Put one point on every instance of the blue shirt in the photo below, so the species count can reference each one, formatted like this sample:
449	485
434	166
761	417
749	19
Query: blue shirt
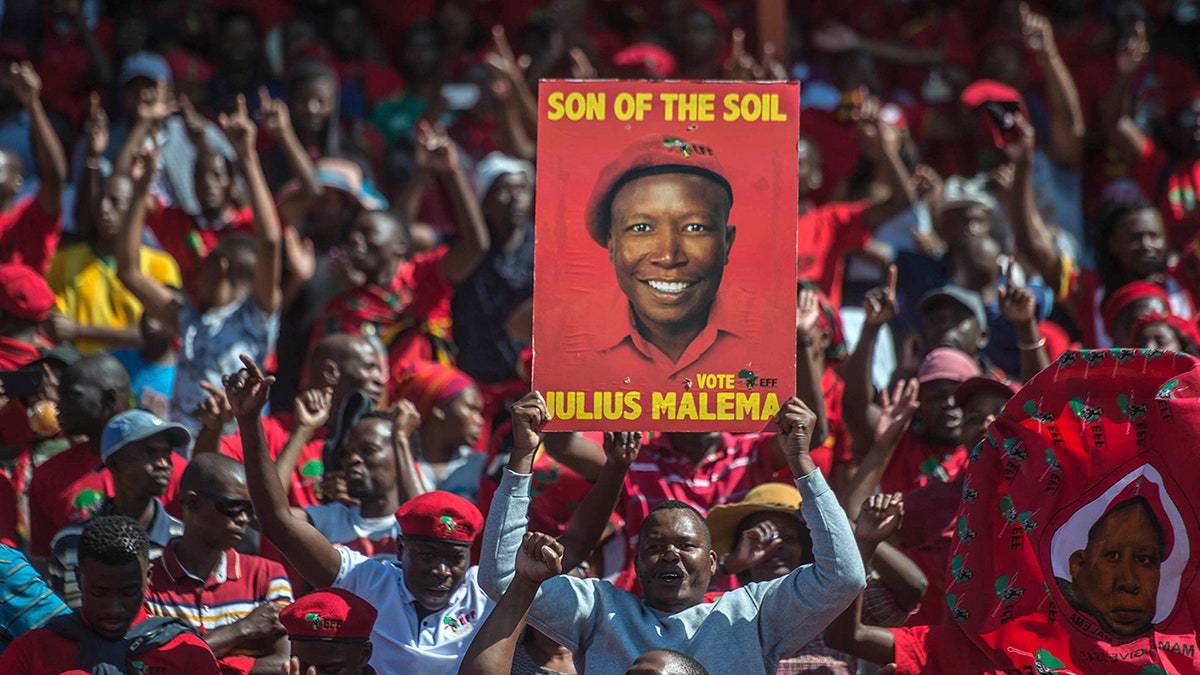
26	602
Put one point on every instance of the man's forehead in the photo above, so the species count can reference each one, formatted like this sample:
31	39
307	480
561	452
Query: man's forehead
676	520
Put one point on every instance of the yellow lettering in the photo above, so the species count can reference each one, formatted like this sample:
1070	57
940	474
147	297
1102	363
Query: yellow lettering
581	411
555	101
747	405
662	405
612	405
687	407
770	407
633	405
725	406
731	109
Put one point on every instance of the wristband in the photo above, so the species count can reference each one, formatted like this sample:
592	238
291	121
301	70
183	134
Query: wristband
1029	348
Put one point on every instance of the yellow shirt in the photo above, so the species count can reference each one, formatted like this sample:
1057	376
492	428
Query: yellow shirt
88	291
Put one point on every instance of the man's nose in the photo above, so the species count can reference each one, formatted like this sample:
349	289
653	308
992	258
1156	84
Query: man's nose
1125	576
668	250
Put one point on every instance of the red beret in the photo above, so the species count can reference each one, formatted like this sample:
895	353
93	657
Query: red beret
26	294
331	614
1127	295
648	156
440	515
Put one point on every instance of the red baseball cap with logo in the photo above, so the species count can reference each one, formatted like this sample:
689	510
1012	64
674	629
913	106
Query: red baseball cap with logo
441	516
331	615
648	156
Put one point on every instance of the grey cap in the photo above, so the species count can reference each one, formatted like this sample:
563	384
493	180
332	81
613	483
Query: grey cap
960	295
132	426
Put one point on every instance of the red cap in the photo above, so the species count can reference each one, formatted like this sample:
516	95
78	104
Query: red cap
645	59
980	92
430	385
1127	295
11	51
975	385
331	614
186	67
26	294
442	516
648	156
947	363
710	9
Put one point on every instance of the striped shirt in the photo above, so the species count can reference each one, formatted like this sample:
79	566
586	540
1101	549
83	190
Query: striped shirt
64	549
237	585
26	602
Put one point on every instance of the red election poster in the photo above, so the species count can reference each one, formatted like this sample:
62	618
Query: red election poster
665	264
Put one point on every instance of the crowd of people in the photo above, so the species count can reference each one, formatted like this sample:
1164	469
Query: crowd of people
266	279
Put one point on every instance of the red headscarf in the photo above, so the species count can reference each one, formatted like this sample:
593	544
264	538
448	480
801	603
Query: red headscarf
430	385
1127	295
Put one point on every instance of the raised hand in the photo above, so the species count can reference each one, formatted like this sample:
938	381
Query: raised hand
753	547
741	65
875	134
880	517
529	416
622	447
405	416
95	127
240	129
158	106
214	411
26	83
896	410
539	558
1038	33
292	667
193	121
808	313
312	408
880	302
435	151
300	254
248	389
504	60
143	166
1132	53
796	422
581	65
273	115
1020	149
1017	303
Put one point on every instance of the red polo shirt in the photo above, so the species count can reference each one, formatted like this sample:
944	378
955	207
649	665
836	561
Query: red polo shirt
305	489
44	652
660	473
827	234
64	486
239	584
939	649
189	239
718	348
27	236
916	463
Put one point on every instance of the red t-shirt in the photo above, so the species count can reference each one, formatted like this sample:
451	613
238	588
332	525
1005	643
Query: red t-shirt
305	488
189	240
1171	183
939	649
28	236
8	514
423	279
827	234
44	652
926	537
916	463
66	485
839	147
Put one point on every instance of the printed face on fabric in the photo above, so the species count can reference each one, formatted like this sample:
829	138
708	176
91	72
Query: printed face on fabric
1072	551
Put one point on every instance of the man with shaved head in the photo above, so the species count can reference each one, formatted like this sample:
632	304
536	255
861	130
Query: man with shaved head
233	599
92	391
339	364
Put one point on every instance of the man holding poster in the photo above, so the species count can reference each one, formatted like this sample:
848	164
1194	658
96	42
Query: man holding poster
681	341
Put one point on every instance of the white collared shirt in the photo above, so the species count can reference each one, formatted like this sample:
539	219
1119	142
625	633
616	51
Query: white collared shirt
402	643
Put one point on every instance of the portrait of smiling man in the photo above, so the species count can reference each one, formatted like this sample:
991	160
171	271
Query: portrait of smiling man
662	210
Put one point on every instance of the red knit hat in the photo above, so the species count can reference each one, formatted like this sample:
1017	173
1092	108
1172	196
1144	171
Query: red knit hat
430	385
329	614
442	516
1126	295
648	156
26	294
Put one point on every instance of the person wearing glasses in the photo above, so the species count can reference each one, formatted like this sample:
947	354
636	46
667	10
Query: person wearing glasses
232	599
136	447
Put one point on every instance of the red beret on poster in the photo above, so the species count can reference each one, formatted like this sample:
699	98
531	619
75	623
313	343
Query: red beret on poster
666	223
1074	550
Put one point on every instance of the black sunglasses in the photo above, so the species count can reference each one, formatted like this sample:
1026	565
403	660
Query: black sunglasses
228	506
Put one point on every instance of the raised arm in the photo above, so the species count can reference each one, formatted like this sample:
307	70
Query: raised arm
1018	305
267	271
437	153
51	159
1065	144
491	653
312	412
896	411
879	518
808	364
858	398
275	118
880	142
304	547
587	524
160	302
407	420
95	133
1033	238
213	413
1116	110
